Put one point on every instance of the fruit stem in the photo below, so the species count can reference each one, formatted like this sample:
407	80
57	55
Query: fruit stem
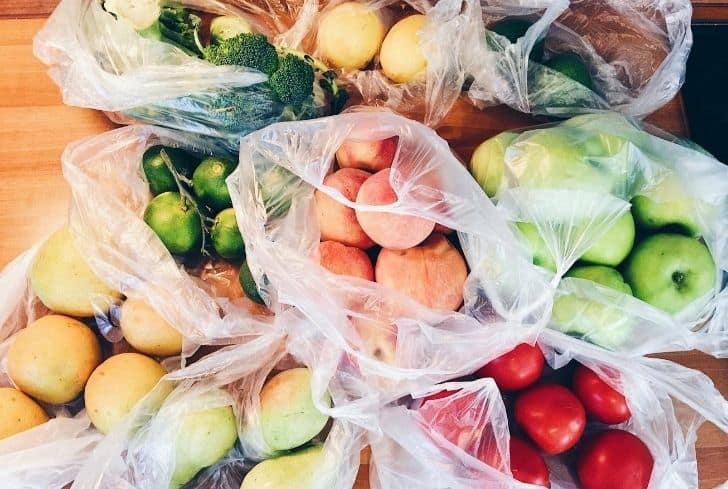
678	278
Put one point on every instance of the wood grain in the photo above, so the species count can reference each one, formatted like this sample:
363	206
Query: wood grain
35	127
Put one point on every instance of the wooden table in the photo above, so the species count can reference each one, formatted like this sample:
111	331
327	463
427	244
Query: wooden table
35	127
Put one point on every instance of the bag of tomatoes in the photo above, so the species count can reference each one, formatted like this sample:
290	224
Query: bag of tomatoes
559	414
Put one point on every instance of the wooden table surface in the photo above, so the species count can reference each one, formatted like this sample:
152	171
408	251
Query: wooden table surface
35	127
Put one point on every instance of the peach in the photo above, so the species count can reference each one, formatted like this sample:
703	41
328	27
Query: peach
393	231
372	156
432	273
378	339
338	222
345	260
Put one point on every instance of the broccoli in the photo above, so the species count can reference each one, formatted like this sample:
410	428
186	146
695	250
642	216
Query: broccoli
292	82
246	49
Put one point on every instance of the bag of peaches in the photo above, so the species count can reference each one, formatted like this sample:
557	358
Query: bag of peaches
364	222
560	414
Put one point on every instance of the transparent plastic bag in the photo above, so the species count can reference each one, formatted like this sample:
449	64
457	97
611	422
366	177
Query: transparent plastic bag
104	63
49	454
575	182
142	451
389	336
109	194
634	53
462	440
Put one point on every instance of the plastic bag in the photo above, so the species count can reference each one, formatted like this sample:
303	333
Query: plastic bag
50	454
109	194
575	183
447	27
142	452
104	63
392	338
599	55
445	442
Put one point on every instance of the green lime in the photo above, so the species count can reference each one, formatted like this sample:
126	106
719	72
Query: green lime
208	181
513	29
248	284
175	220
157	172
226	237
572	66
276	186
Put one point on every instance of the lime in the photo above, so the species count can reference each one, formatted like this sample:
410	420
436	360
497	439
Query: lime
572	66
175	220
513	29
248	284
276	186
157	172
208	181
226	237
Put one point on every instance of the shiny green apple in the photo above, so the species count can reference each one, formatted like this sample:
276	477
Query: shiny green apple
488	162
535	243
665	205
614	245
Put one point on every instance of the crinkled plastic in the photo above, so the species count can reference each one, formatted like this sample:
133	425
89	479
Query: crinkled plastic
102	63
50	454
635	53
572	181
109	195
419	447
140	452
391	339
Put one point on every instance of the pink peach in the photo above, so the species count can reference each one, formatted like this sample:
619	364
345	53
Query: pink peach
432	273
377	339
371	156
338	222
345	260
393	231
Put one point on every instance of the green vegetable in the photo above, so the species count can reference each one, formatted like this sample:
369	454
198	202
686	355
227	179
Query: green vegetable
179	27
250	50
292	82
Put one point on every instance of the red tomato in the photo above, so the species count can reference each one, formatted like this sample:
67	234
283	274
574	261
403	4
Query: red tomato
552	416
517	369
614	459
600	401
527	465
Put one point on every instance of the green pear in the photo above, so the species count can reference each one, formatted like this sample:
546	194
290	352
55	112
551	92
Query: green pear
614	245
488	161
204	437
597	322
288	416
669	271
540	252
294	471
666	205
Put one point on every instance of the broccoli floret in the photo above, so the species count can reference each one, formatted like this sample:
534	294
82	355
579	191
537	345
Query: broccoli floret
247	49
292	83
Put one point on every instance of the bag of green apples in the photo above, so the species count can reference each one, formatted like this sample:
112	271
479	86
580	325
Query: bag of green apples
363	221
565	57
629	223
400	55
580	418
151	214
218	68
246	416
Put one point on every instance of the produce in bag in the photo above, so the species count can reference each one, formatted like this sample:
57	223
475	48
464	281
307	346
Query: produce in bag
631	224
320	234
405	56
592	420
221	69
248	415
151	213
62	385
564	57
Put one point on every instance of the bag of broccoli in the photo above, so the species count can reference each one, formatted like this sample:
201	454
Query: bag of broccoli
218	68
569	57
628	223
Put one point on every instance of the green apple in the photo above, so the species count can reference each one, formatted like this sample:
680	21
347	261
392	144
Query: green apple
598	322
669	271
665	205
540	252
614	245
288	415
203	439
488	161
294	471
